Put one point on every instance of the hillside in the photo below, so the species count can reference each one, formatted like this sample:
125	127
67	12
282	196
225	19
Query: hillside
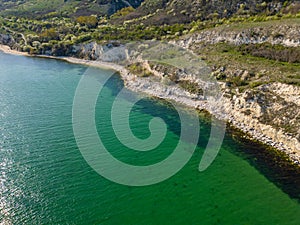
149	12
160	12
66	8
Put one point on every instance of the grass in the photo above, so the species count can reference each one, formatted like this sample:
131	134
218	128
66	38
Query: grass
191	87
261	70
248	23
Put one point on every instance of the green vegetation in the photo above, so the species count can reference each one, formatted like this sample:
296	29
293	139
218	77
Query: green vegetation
191	87
160	12
89	21
54	27
48	35
139	70
275	52
40	26
59	31
123	12
240	67
43	9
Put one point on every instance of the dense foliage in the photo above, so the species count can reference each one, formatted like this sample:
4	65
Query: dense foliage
67	8
159	12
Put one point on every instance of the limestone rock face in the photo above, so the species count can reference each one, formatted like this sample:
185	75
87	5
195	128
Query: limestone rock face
287	35
90	51
7	39
271	114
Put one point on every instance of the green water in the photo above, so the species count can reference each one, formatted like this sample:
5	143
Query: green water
45	180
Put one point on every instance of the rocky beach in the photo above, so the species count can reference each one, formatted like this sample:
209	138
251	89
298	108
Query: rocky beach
231	110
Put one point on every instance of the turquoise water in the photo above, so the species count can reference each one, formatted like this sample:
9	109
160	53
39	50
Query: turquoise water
45	180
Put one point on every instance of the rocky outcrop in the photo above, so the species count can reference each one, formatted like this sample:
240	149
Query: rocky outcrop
269	114
244	110
287	35
265	114
6	39
94	51
289	93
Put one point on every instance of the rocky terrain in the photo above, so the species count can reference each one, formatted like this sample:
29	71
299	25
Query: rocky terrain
7	39
269	112
275	33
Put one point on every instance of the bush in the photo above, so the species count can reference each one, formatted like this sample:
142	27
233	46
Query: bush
237	81
255	84
89	21
49	34
123	12
83	38
138	70
26	48
274	52
191	87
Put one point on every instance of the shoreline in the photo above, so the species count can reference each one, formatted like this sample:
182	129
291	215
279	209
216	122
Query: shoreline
170	93
8	50
100	64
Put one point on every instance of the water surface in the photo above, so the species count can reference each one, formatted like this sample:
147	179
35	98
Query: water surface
45	180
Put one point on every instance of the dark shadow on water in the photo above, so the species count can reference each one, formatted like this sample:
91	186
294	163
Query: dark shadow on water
270	162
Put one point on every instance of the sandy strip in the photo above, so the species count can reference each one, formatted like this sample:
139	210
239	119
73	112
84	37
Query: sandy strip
100	64
7	49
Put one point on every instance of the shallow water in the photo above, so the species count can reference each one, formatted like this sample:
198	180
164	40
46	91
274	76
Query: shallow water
45	180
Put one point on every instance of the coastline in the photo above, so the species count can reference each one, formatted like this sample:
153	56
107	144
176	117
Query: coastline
100	64
133	83
7	49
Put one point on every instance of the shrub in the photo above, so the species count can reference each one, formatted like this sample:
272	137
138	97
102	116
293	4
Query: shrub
255	84
89	21
237	81
49	34
274	52
138	70
191	87
83	38
122	12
